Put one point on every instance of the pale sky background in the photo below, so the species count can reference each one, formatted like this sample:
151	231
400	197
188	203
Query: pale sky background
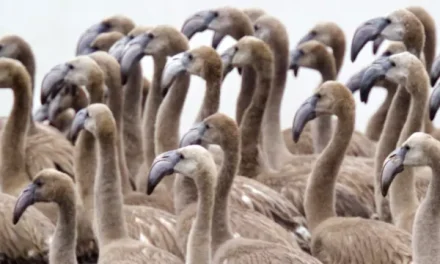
52	27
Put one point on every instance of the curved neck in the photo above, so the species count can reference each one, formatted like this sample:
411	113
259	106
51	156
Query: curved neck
248	80
403	198
221	230
319	201
168	119
110	223
377	121
388	140
132	129
154	100
322	126
63	245
338	54
13	156
115	104
425	241
211	101
251	126
199	240
272	140
85	168
27	58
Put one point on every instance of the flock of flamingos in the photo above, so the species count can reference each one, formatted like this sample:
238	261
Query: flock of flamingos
100	174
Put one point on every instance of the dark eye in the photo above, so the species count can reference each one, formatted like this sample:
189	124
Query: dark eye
256	27
313	32
207	126
406	147
130	37
181	156
301	52
386	54
151	35
318	96
393	64
70	66
215	13
190	57
38	182
106	25
1	47
235	48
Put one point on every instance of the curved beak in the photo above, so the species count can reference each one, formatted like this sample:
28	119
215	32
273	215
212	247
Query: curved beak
377	42
198	22
83	46
217	39
42	113
434	102
132	54
392	166
175	66
305	113
375	72
306	38
227	58
162	166
354	83
54	108
117	48
435	71
193	136
294	59
53	81
370	30
77	124
24	200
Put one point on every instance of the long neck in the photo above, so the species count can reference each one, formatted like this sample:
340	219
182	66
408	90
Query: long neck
109	219
132	128
272	139
322	126
403	198
250	127
377	121
13	138
63	246
248	80
168	119
425	240
319	201
154	100
388	140
221	230
199	241
115	104
211	101
338	54
28	59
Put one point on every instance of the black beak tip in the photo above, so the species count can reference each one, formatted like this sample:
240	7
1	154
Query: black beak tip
432	113
124	79
295	136
433	81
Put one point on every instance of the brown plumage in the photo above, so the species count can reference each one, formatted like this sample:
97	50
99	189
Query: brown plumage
49	185
420	149
46	147
332	237
141	220
30	239
115	246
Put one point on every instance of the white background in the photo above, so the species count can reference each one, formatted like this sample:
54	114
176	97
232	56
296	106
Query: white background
52	27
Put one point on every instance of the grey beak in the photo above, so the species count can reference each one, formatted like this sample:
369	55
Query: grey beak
162	166
295	55
89	36
198	22
53	82
42	113
117	48
26	199
227	58
309	36
77	124
376	71
354	83
193	136
392	166
305	113
217	39
435	71
377	42
434	102
175	66
370	30
132	54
